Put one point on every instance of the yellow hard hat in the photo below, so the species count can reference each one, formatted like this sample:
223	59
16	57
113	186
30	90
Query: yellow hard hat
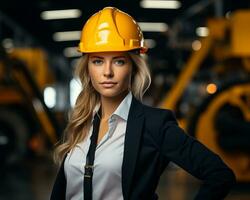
111	29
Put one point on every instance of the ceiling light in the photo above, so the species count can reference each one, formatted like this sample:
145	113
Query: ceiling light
153	26
61	14
160	4
8	44
196	45
211	88
67	36
150	43
50	96
202	31
71	52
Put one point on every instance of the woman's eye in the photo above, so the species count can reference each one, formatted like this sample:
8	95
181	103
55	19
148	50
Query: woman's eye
120	62
97	62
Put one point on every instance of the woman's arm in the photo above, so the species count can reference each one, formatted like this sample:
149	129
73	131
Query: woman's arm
195	158
59	187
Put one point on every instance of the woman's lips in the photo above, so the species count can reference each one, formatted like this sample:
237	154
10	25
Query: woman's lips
108	84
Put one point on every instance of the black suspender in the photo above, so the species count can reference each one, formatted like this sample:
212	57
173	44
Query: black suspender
89	166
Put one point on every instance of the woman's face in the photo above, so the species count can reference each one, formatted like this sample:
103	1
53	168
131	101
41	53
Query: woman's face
110	72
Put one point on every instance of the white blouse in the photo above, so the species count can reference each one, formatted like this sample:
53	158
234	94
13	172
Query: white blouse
107	180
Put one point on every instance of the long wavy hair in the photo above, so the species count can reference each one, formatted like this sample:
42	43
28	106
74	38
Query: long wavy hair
81	115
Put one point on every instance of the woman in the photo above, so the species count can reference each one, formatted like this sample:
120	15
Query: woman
115	147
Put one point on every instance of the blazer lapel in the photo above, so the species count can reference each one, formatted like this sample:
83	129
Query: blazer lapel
131	145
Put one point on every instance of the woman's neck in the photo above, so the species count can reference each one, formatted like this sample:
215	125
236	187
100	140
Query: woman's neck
109	104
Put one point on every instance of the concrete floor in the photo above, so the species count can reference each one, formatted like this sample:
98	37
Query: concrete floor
32	179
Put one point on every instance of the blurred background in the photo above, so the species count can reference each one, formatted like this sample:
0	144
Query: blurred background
199	56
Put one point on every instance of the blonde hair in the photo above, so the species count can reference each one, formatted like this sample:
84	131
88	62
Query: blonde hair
81	115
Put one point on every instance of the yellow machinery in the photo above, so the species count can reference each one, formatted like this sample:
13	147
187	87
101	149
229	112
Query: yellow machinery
24	117
222	120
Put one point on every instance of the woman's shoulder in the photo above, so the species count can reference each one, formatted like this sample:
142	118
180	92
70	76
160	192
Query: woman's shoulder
157	120
158	114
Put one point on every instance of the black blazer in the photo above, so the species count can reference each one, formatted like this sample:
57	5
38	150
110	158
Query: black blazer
152	140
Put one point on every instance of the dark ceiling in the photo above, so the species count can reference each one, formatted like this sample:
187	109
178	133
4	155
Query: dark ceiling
26	14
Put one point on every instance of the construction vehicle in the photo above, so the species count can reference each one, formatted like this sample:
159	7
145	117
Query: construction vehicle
219	111
26	123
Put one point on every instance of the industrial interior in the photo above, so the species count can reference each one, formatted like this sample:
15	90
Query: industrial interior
199	59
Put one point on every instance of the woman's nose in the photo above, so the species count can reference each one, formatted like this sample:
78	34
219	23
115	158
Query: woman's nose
107	71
